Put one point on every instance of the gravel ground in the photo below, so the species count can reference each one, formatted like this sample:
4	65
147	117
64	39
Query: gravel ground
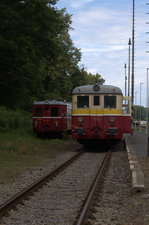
60	199
22	180
115	204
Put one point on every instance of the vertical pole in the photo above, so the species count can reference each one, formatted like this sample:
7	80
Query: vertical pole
132	79
132	88
147	102
125	80
129	43
140	106
135	108
147	124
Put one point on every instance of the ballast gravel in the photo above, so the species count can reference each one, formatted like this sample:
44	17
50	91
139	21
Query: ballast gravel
7	190
115	202
59	201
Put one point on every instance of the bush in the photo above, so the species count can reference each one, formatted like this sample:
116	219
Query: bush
12	120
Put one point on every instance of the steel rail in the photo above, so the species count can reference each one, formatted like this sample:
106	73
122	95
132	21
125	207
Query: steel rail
13	201
84	211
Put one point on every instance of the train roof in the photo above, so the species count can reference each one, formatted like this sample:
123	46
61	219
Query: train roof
97	89
51	102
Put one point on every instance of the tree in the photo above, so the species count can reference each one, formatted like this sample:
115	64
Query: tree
137	112
38	57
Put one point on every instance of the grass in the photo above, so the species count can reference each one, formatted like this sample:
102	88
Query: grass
138	129
22	151
19	148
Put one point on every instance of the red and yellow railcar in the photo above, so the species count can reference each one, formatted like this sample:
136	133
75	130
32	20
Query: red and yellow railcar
51	117
98	113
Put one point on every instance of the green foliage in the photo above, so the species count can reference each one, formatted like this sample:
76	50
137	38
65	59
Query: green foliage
38	57
15	120
82	77
137	110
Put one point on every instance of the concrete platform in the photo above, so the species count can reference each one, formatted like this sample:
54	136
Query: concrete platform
136	146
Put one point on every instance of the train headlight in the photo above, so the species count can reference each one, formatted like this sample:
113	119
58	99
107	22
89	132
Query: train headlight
36	123
112	119
80	119
56	123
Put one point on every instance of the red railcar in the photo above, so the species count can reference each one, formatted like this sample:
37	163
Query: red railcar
98	113
51	117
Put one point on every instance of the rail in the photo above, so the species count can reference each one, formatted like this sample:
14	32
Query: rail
83	214
10	203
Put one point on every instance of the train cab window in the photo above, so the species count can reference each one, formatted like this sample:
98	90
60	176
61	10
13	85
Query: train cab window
38	111
54	111
83	101
96	100
109	101
46	108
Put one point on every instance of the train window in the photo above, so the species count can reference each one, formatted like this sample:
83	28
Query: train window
96	100
126	107
63	112
109	101
54	112
38	111
83	101
46	108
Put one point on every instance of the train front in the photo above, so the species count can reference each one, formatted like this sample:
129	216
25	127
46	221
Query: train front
51	117
97	113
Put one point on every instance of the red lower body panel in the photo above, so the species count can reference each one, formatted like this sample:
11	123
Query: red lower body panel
49	125
100	127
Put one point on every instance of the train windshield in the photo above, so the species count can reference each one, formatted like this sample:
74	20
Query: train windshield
54	111
38	111
83	101
109	101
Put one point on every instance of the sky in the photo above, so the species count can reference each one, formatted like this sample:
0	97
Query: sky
102	29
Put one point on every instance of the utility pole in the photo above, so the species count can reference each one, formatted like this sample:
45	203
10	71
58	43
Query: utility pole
133	37
140	106
125	80
132	78
129	43
136	109
147	124
147	32
147	103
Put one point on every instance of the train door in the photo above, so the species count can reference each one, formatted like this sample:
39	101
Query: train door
95	116
63	117
54	117
46	111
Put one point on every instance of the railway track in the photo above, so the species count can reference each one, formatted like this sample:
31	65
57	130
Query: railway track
88	201
59	200
9	204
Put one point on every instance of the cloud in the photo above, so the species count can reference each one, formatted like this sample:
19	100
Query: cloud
103	49
78	4
102	30
100	26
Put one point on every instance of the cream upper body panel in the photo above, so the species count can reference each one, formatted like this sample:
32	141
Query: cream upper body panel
101	108
100	99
